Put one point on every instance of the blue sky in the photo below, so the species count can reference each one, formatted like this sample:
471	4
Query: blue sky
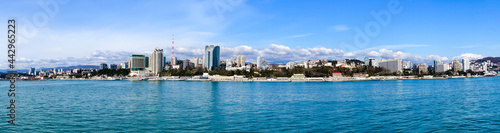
91	31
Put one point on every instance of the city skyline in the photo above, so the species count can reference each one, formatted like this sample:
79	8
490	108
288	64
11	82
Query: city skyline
421	32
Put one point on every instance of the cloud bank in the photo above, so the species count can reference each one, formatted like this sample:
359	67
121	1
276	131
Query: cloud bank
274	53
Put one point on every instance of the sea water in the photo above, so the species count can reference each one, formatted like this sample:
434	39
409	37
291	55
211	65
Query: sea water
450	105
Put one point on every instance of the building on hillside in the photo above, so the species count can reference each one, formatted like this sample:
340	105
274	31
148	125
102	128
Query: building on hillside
240	60
393	65
422	69
113	66
457	66
465	64
103	66
196	61
442	67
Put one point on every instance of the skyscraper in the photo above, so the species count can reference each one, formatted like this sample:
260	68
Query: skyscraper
407	65
113	66
185	64
229	62
211	57
157	61
240	60
457	66
32	71
465	64
436	63
137	62
195	61
173	60
124	65
442	67
103	66
422	68
147	62
259	63
368	61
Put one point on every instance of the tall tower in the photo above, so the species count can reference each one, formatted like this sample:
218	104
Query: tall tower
173	60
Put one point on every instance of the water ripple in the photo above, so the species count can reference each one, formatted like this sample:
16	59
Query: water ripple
455	105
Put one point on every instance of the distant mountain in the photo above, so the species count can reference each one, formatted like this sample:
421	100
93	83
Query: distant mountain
74	67
492	59
3	71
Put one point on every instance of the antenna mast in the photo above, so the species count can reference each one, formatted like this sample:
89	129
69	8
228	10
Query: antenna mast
172	45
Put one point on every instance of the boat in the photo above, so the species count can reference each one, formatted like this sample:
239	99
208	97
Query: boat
490	74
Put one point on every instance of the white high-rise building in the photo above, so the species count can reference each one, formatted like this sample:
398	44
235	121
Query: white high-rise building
465	64
196	61
124	65
442	67
157	61
261	63
229	62
173	61
485	66
290	65
407	65
240	60
186	63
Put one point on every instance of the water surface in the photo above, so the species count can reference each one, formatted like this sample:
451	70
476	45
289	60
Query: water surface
450	105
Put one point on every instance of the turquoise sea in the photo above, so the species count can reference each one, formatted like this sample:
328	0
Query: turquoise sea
446	105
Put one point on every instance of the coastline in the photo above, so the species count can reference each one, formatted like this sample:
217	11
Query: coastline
330	79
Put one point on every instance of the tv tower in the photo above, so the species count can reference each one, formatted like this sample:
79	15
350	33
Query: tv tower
172	45
173	59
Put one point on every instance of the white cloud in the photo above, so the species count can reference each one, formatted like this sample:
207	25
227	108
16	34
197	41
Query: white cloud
402	46
351	54
193	22
469	56
274	53
373	54
388	54
302	35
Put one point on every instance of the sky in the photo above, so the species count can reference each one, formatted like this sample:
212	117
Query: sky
57	33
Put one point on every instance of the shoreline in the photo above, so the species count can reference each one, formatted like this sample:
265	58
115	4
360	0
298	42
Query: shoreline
344	79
